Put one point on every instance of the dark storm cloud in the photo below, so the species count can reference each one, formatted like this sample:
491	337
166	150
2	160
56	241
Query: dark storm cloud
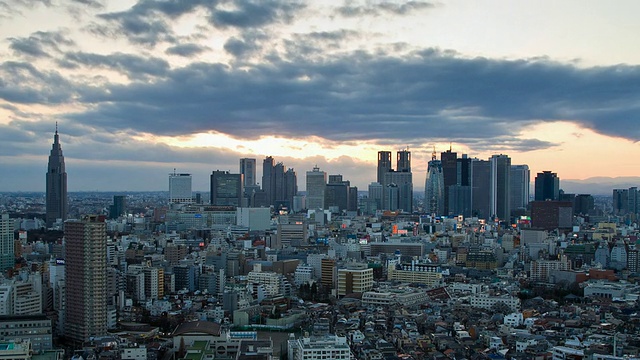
186	50
133	66
361	96
351	9
40	43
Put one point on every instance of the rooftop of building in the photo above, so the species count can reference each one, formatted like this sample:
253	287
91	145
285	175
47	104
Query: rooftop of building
192	327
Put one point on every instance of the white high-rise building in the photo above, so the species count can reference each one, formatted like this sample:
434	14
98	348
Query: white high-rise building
303	274
316	187
180	188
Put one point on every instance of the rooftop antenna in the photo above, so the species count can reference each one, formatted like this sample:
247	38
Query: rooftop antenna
433	154
450	147
56	127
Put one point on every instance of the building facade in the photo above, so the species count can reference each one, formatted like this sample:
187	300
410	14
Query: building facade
316	187
226	189
180	188
85	278
7	256
56	198
434	187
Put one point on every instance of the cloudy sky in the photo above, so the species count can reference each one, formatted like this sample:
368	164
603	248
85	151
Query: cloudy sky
139	88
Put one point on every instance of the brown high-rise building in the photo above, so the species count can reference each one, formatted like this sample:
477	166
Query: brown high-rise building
328	274
56	202
85	278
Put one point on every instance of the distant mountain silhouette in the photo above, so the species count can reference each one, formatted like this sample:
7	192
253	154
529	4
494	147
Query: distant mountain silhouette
598	185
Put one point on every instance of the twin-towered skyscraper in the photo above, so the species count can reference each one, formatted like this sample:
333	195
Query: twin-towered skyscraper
397	185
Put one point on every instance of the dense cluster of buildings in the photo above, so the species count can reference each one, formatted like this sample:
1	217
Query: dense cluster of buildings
475	270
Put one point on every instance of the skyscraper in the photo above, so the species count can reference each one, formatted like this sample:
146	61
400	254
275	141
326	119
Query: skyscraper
279	186
57	201
449	174
384	165
403	183
481	185
316	187
376	191
403	161
547	186
268	181
248	169
500	192
337	193
7	255
119	206
460	194
226	189
180	188
520	179
434	187
85	278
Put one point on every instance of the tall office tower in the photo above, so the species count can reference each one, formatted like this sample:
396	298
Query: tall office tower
460	200
403	181
620	201
376	191
463	171
481	185
353	199
547	186
280	186
278	183
119	206
500	192
460	193
7	255
520	179
316	187
180	188
337	193
248	169
584	204
384	165
268	181
57	206
290	187
226	189
335	179
434	187
449	161
403	161
85	278
633	201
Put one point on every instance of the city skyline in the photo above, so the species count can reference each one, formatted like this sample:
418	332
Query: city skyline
140	89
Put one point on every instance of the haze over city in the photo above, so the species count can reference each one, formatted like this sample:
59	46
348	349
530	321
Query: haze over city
141	88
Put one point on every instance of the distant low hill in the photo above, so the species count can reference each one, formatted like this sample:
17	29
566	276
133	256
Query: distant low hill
597	185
